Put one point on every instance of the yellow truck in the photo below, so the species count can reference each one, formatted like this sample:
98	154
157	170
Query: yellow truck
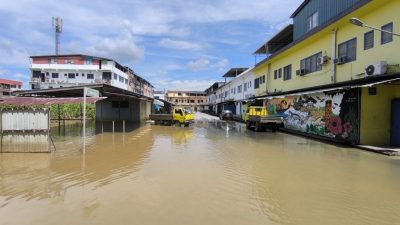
257	118
177	116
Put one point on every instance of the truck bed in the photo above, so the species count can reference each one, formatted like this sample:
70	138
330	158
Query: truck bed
267	119
161	117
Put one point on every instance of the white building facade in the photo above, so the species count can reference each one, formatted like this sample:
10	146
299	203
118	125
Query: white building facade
56	71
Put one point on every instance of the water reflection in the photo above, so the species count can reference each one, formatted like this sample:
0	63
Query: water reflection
213	172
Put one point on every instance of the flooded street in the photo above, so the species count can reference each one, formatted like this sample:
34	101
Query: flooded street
210	173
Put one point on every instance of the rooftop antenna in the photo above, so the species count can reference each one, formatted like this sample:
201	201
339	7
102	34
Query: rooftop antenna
57	25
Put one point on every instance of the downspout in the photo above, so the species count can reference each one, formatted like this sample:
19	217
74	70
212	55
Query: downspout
334	43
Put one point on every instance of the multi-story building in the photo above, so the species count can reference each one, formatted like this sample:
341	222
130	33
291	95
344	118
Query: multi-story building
333	79
160	95
8	86
55	71
195	100
234	94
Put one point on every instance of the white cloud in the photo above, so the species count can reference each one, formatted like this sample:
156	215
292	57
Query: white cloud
199	64
22	76
221	65
181	45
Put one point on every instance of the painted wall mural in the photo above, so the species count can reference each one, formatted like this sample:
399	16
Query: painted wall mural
329	114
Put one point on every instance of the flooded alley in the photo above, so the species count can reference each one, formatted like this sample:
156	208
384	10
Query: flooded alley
212	172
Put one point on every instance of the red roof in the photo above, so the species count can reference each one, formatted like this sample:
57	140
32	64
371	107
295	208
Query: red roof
45	101
10	82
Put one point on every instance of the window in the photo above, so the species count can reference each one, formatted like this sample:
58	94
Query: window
312	21
52	61
239	89
310	64
256	83
275	74
348	50
287	72
262	79
71	76
387	37
115	76
90	76
245	87
88	61
280	73
369	40
54	75
67	61
121	79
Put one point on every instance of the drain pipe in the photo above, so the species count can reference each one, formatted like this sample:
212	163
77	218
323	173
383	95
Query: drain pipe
334	44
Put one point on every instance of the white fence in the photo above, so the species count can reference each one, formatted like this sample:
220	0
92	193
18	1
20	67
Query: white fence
25	130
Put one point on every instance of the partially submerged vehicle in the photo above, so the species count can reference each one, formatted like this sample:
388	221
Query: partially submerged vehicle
257	118
178	116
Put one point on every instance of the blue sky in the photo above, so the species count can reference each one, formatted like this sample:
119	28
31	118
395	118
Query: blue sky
175	44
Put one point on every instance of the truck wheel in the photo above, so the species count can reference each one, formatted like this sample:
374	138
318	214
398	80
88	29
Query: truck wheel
248	125
257	127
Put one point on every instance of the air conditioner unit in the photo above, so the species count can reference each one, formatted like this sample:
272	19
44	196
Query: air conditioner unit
376	68
341	60
322	60
301	72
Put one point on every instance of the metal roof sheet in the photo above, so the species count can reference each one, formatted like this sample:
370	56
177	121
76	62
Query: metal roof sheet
45	101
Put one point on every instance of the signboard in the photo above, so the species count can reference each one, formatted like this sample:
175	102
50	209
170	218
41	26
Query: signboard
89	92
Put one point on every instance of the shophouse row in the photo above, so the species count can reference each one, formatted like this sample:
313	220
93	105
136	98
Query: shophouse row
333	73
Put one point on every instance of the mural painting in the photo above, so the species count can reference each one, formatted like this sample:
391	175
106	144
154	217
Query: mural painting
328	114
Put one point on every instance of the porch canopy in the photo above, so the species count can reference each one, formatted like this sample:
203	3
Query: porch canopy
29	101
280	40
365	82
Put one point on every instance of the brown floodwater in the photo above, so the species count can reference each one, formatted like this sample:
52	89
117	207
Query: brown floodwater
209	173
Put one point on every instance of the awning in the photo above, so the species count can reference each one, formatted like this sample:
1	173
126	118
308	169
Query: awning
308	92
28	101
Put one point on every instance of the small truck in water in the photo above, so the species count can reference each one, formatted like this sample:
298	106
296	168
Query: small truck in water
178	116
257	118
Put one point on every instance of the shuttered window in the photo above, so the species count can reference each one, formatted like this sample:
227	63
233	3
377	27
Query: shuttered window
369	40
386	37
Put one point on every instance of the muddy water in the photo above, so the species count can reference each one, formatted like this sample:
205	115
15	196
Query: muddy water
211	173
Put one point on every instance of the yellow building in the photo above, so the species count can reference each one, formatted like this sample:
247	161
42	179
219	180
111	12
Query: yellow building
331	78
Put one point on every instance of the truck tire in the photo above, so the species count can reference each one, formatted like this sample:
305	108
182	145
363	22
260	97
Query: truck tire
274	128
248	125
257	127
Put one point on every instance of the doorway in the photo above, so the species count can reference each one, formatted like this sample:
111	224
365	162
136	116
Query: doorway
395	123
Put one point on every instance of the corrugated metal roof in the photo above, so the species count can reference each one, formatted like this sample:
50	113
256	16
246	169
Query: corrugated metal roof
10	82
45	101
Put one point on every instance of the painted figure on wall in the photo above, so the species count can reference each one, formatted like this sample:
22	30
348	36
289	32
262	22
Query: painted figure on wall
329	114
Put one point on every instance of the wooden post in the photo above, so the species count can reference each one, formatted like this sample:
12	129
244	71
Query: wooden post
113	126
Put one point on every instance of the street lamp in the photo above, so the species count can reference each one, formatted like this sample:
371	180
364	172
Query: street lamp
358	22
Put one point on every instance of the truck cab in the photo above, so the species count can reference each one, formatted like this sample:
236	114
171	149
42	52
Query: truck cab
179	115
255	111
